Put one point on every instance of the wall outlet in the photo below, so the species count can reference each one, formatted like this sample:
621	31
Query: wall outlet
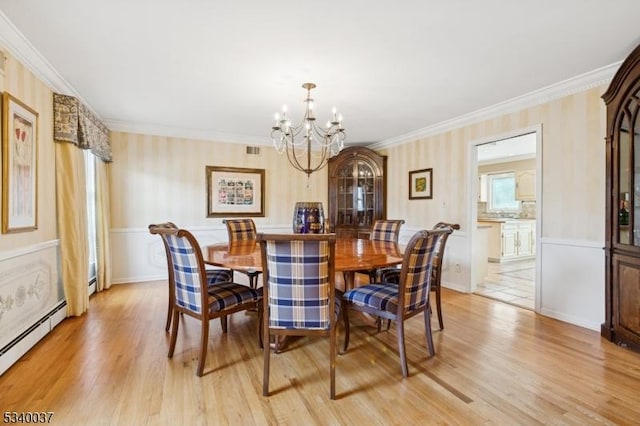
458	268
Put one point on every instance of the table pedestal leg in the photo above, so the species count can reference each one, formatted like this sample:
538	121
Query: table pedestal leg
349	277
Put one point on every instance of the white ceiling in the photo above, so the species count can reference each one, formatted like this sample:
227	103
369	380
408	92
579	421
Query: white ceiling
391	68
510	149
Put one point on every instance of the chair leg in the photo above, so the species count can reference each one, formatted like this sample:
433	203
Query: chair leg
439	307
260	319
266	352
332	348
401	348
204	340
174	333
345	320
223	323
169	310
429	334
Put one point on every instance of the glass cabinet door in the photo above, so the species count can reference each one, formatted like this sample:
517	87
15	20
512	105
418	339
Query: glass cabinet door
365	195
345	195
634	134
629	174
624	182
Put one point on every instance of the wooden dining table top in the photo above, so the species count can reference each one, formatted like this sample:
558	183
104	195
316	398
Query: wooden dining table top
351	255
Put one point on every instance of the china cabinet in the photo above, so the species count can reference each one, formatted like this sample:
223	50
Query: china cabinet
622	239
357	191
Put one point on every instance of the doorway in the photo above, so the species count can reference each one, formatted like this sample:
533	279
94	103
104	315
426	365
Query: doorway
506	214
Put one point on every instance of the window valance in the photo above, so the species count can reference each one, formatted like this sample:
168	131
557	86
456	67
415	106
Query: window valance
75	123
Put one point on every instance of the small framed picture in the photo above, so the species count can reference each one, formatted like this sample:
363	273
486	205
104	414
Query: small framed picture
421	184
234	191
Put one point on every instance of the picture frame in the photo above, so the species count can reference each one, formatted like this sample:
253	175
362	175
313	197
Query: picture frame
234	191
19	166
421	184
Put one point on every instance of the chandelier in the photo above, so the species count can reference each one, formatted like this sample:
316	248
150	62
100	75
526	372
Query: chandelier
308	146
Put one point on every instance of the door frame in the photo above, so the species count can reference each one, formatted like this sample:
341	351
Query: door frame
472	179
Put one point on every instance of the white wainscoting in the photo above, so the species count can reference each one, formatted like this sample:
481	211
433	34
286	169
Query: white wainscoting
31	296
572	281
456	269
139	256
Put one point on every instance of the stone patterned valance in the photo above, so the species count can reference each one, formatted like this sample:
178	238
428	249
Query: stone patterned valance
75	123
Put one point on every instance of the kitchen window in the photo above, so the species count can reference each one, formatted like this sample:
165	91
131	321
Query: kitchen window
502	193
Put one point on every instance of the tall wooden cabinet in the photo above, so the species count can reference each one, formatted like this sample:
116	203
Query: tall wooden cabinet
622	245
357	191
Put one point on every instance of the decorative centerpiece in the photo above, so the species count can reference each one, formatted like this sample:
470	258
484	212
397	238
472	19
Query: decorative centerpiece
308	218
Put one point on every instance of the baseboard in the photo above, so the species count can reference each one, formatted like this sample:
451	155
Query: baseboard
19	346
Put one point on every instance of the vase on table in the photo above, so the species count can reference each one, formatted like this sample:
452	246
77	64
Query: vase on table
308	218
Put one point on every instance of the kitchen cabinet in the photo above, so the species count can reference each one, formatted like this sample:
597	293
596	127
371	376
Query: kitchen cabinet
526	185
482	187
510	239
357	191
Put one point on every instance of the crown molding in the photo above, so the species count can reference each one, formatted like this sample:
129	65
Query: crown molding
564	88
25	52
22	49
183	132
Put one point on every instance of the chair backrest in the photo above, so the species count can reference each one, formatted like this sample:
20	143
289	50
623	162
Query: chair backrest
240	229
187	268
417	264
437	264
386	230
153	229
299	280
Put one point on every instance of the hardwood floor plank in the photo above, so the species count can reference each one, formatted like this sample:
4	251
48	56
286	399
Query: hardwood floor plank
494	364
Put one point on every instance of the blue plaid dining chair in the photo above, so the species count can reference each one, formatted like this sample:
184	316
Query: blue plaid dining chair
299	296
214	276
243	230
193	296
382	230
399	302
392	275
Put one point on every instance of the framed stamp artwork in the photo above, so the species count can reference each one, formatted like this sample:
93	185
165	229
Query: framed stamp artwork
421	184
233	191
19	166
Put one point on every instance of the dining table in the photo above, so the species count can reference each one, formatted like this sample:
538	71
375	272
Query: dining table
352	254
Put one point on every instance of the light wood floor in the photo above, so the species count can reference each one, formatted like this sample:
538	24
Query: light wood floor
495	364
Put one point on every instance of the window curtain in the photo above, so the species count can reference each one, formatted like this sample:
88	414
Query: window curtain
103	225
71	196
76	127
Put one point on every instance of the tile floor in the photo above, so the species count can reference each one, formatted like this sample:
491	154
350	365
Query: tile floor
510	282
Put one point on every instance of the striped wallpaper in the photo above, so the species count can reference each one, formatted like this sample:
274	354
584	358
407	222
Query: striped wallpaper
573	166
157	178
24	85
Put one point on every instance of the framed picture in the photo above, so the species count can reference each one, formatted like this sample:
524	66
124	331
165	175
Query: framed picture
19	166
234	191
421	184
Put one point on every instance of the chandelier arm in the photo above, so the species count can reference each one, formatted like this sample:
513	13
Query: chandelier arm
293	158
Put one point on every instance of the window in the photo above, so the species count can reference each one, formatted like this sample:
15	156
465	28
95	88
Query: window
502	192
90	172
